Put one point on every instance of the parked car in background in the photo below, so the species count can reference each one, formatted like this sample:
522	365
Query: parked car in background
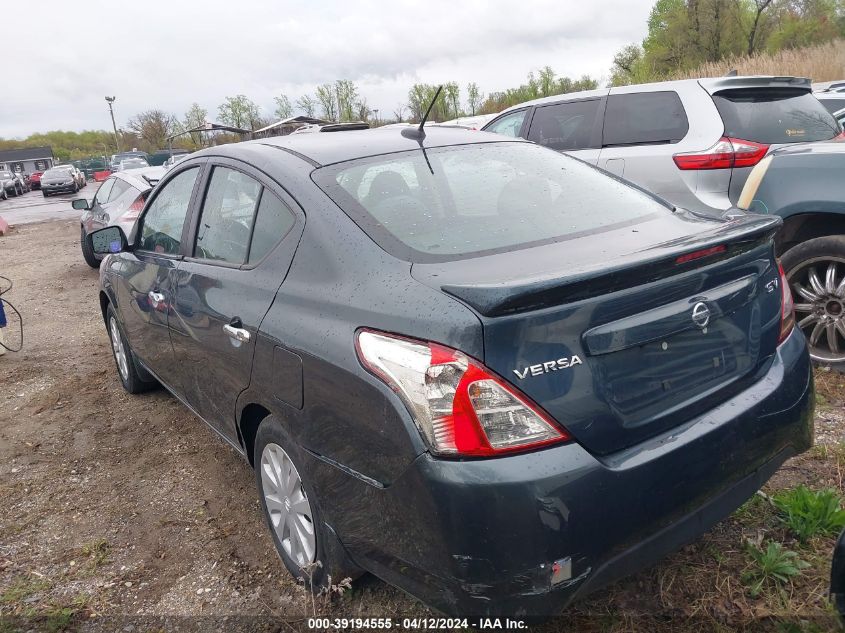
804	185
308	128
471	122
173	160
482	370
117	158
9	185
132	163
161	156
118	202
78	176
61	179
23	179
832	101
692	142
839	115
35	180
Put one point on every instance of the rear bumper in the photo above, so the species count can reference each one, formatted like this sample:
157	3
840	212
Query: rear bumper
479	537
59	188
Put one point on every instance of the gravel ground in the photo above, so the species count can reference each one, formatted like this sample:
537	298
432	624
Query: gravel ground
127	513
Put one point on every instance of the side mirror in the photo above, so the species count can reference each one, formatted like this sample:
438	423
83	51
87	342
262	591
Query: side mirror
109	240
81	204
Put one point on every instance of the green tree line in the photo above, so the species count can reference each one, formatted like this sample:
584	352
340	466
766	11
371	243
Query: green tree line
684	34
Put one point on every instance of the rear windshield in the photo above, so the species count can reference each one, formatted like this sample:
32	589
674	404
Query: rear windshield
479	199
775	115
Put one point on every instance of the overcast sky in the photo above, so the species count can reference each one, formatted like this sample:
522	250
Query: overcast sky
68	55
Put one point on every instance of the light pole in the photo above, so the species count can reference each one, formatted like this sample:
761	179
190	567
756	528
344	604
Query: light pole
110	101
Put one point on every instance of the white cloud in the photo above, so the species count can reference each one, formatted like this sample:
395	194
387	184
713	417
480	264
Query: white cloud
166	55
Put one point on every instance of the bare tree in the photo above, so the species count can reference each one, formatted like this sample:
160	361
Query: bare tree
326	98
195	117
153	127
474	97
307	104
399	112
283	107
760	7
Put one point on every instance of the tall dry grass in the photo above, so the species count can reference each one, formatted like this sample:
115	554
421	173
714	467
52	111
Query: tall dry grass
824	62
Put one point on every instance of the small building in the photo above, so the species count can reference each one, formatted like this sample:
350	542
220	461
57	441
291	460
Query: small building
27	159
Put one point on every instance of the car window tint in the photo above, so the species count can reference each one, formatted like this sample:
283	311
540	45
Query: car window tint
161	231
565	126
482	198
120	187
103	192
272	223
644	118
775	115
227	216
509	125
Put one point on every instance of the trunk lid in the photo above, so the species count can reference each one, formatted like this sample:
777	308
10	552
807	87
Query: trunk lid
613	337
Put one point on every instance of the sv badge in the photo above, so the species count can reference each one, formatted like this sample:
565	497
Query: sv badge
549	365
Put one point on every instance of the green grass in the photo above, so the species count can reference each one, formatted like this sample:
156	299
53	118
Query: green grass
97	552
810	513
771	566
21	589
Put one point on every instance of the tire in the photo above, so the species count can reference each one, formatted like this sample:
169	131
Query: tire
127	371
332	562
45	193
88	250
816	273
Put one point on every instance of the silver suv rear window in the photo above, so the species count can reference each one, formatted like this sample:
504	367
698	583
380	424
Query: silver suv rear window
775	115
471	200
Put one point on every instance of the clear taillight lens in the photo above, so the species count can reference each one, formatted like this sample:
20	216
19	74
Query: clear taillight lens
787	307
459	406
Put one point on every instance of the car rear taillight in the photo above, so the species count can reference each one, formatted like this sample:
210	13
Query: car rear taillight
704	252
459	406
787	307
725	154
839	137
134	209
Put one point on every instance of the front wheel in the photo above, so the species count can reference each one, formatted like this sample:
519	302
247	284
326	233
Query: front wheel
816	273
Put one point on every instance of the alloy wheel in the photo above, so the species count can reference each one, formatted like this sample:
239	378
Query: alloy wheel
119	350
288	506
818	288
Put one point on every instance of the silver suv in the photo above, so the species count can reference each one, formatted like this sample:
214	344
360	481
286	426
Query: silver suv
692	142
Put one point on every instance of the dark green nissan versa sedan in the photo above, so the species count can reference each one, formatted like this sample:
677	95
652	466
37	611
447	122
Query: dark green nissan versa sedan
486	372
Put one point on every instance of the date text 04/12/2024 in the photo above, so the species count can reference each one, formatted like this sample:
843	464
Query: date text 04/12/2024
345	624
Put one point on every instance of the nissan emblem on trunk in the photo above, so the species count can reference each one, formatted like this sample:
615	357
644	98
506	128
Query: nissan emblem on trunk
701	314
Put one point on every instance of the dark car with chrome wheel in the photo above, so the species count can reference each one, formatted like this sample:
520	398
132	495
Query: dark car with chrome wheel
804	185
486	372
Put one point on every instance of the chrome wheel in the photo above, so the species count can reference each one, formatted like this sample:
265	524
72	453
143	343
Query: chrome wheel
287	505
818	288
119	350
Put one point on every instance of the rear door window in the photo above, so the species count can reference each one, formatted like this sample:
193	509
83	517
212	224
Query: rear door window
228	213
508	125
103	192
274	221
120	187
645	118
775	115
565	126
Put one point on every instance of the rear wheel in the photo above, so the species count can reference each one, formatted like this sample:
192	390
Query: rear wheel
816	273
88	250
130	378
291	509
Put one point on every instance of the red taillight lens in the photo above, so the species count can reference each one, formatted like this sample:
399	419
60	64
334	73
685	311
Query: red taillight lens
787	307
134	209
725	154
839	137
459	406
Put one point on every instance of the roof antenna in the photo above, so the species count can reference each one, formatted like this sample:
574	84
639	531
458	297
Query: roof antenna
418	133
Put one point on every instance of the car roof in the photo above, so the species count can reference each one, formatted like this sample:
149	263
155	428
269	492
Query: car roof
710	84
337	147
